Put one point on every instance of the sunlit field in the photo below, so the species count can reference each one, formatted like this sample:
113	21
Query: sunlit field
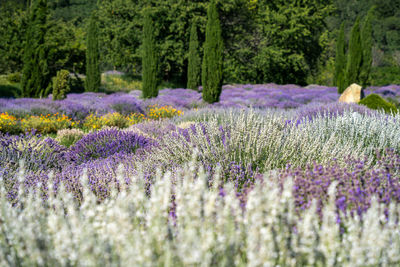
271	175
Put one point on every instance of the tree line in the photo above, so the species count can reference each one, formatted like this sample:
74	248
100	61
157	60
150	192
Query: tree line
277	41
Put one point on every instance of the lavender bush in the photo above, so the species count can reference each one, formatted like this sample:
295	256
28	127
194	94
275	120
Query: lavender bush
105	143
199	226
356	184
272	175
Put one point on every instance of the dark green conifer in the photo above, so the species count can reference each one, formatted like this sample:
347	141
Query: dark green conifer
35	73
355	55
212	61
149	59
366	39
340	61
93	75
194	60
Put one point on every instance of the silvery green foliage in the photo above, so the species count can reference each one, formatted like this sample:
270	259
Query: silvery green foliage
272	139
207	228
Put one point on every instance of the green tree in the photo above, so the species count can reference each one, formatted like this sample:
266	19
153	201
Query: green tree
355	55
286	43
13	32
93	75
149	58
366	39
121	25
194	60
212	60
35	74
340	60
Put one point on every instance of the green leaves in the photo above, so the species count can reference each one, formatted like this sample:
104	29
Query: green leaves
194	60
149	58
93	75
35	74
340	61
213	54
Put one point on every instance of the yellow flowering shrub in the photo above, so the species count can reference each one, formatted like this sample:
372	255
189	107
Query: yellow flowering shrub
93	122
115	119
46	124
155	112
136	118
9	124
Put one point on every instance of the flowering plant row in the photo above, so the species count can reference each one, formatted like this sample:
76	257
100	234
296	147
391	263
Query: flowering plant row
51	123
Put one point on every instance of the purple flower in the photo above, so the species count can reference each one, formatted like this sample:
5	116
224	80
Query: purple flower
105	143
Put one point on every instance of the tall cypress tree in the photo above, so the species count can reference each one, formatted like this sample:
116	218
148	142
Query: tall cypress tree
93	75
340	61
366	37
194	61
35	73
149	58
355	55
212	60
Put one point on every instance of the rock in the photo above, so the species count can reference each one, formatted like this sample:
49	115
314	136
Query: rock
352	94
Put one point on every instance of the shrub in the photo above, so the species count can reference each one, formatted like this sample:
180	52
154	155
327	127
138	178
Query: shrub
9	124
14	77
36	153
186	223
68	137
61	85
124	104
105	143
136	118
46	124
93	122
155	112
115	119
374	101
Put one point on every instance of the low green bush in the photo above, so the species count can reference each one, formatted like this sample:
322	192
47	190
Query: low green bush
374	101
14	77
61	85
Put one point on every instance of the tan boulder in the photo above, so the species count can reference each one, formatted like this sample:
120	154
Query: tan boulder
352	94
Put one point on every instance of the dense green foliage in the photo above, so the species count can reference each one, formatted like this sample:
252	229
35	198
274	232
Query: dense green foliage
12	32
212	60
194	60
93	75
354	56
340	61
61	85
35	73
149	58
374	101
279	41
366	39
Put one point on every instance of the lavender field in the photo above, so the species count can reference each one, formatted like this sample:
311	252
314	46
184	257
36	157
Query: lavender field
269	176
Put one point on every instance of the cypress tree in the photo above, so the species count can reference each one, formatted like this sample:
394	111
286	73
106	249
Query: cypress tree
340	60
194	60
149	59
93	75
212	60
366	37
36	79
355	55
